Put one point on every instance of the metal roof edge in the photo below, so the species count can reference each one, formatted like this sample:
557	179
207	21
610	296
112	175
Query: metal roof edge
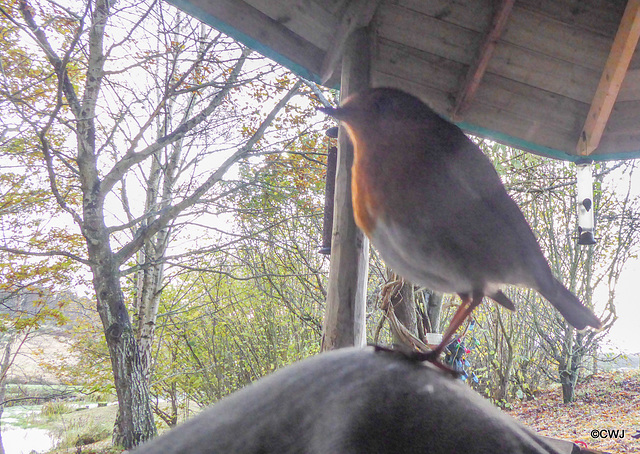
303	72
525	145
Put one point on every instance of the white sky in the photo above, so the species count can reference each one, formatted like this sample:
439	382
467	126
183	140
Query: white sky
625	334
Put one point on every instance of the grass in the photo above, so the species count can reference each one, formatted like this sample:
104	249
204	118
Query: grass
85	426
72	426
19	394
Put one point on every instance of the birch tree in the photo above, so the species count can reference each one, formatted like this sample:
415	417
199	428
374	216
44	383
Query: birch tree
138	113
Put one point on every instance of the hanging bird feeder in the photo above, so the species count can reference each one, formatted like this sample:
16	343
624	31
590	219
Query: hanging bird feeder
330	187
586	229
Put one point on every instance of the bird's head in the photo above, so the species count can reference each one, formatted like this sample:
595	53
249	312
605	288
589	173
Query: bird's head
371	107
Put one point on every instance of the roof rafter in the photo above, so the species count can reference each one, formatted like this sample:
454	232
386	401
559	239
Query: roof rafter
613	74
479	66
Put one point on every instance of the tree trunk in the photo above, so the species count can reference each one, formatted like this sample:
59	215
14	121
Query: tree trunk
434	306
506	366
134	422
6	363
568	386
571	373
129	347
404	307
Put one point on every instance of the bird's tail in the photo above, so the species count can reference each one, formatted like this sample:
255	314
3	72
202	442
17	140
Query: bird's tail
568	304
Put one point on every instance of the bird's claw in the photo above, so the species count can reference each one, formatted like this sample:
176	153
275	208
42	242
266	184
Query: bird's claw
432	356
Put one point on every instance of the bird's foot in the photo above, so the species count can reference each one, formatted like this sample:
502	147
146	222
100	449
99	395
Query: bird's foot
432	356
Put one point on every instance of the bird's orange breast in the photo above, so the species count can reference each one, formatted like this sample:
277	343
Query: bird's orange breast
363	206
362	189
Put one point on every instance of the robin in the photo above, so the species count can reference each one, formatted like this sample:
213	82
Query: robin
434	206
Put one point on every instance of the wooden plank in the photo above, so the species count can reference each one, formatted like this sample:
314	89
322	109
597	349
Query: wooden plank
622	50
624	119
474	15
479	66
598	16
487	116
538	106
526	29
630	89
518	98
491	111
334	7
426	33
259	28
358	14
303	17
529	28
422	67
619	144
500	122
513	62
544	72
542	34
509	60
344	321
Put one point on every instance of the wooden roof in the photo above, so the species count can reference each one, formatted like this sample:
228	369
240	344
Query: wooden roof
556	77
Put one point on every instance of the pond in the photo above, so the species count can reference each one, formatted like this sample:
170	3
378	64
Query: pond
19	440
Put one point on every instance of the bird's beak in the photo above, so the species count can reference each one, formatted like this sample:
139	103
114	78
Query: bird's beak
337	113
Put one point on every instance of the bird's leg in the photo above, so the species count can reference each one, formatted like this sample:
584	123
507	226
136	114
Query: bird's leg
469	303
412	355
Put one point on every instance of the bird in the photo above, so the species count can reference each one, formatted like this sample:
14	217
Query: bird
434	207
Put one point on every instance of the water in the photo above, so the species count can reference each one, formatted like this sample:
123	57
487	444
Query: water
18	440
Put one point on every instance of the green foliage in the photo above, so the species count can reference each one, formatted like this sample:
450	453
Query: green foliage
55	408
85	363
221	335
519	352
258	304
76	432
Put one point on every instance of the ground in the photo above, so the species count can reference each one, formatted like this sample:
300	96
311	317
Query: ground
607	401
26	367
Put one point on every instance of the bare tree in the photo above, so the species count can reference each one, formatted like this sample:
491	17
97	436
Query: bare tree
133	98
545	190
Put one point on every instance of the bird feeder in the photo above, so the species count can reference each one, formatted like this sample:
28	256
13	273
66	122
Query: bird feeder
585	203
330	187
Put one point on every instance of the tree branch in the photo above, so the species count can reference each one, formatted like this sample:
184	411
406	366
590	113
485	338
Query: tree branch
46	254
132	158
145	233
57	63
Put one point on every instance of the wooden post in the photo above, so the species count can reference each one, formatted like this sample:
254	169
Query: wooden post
344	320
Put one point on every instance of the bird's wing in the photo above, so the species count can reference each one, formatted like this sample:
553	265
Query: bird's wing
486	221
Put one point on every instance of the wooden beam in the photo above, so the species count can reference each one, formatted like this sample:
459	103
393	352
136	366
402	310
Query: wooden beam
479	66
358	14
615	69
258	31
344	319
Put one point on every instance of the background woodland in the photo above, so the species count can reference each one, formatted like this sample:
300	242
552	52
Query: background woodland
161	206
